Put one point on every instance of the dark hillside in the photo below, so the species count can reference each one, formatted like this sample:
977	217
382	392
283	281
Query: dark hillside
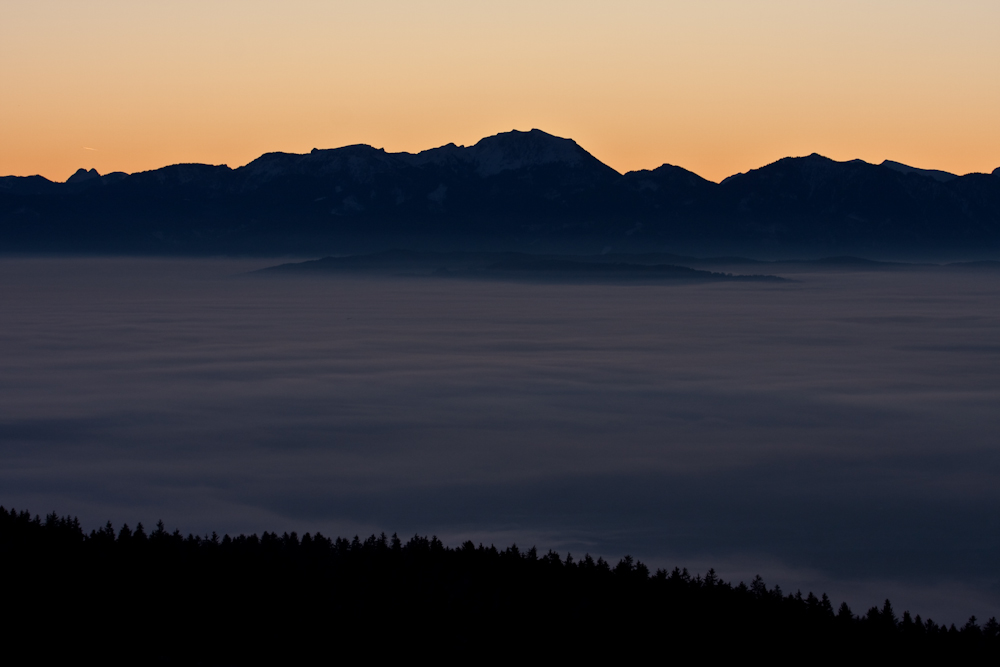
138	597
815	202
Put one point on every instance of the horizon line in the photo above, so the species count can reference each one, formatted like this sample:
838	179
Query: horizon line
508	132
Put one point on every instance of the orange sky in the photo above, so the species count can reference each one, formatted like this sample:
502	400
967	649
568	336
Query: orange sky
717	87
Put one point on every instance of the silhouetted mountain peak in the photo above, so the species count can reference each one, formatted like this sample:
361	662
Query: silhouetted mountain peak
515	150
666	177
936	174
27	185
510	151
360	160
996	172
813	168
447	154
83	175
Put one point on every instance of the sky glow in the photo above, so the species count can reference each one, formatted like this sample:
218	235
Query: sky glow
716	87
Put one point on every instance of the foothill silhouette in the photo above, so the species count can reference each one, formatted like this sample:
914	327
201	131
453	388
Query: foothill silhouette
161	597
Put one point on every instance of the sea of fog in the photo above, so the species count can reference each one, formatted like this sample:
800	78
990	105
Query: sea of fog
838	433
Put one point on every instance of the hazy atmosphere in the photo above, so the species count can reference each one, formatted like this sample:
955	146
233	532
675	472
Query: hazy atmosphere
834	433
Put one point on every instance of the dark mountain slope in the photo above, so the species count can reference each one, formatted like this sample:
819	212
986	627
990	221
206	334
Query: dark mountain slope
937	175
27	185
515	150
525	191
819	205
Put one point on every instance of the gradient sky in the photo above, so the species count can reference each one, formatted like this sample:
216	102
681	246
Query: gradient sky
717	87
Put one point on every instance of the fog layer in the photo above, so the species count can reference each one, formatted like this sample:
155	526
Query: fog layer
836	433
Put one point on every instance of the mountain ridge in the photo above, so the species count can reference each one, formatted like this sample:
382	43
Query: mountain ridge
514	190
440	155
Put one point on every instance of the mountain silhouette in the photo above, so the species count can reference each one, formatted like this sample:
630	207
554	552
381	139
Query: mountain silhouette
515	191
82	176
517	150
937	175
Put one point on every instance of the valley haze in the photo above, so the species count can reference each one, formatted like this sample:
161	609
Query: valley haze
834	432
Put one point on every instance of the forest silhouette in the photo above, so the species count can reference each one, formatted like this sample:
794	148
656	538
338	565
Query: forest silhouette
161	597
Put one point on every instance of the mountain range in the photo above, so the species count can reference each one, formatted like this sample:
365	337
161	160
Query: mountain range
515	191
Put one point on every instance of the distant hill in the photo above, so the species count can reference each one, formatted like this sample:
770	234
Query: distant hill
512	266
515	191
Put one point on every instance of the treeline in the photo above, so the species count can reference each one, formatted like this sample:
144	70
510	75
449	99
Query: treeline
160	597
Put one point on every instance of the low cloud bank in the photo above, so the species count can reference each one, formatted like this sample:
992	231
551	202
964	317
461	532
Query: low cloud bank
837	432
